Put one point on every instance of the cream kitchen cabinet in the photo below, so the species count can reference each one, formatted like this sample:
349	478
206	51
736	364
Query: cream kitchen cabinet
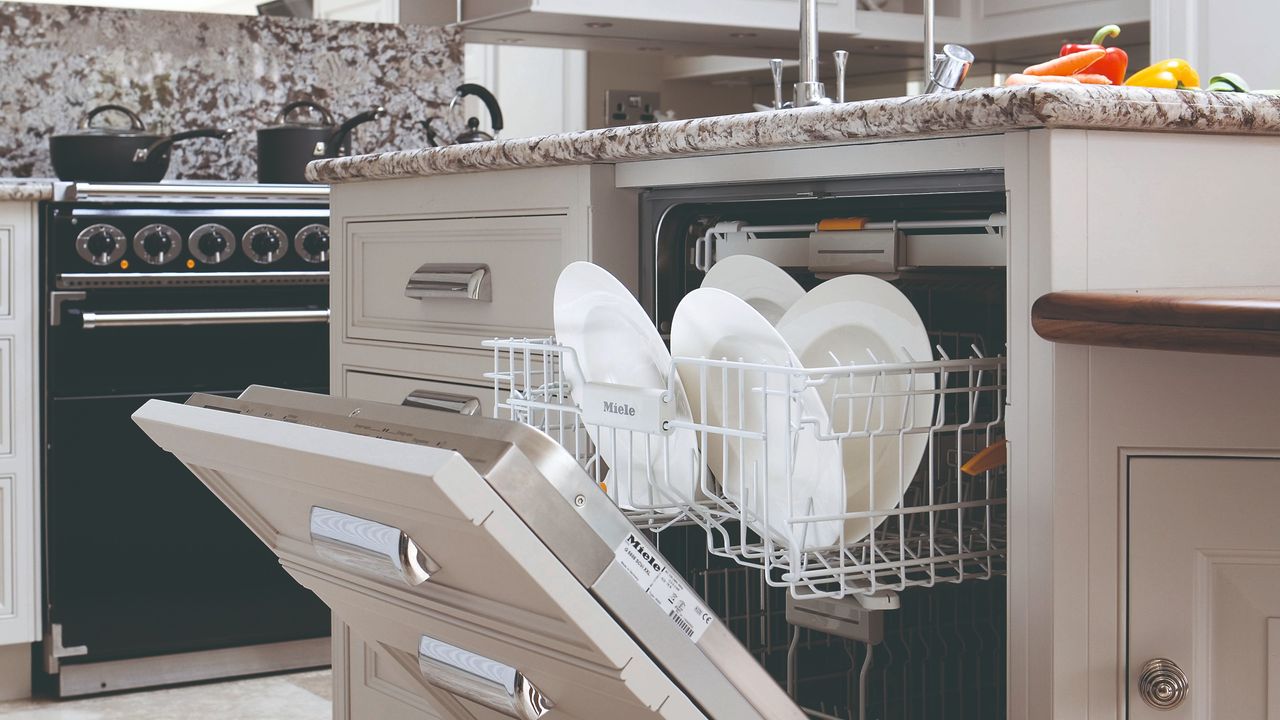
19	483
521	227
1204	587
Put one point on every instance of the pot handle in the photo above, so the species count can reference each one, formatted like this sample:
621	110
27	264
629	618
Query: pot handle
486	97
144	154
325	115
340	135
433	137
134	121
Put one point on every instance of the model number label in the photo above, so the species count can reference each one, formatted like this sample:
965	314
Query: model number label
681	606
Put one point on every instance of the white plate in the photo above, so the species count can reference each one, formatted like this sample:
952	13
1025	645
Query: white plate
765	286
615	342
711	323
847	321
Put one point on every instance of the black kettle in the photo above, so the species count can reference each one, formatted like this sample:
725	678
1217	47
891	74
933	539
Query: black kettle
473	133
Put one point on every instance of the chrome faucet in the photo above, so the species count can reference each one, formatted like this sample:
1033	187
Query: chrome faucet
810	90
944	71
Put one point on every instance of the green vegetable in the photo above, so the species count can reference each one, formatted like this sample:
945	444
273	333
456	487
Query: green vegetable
1228	82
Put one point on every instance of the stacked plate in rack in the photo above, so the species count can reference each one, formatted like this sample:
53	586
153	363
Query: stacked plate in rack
767	401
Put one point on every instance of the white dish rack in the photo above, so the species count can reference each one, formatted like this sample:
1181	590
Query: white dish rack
949	526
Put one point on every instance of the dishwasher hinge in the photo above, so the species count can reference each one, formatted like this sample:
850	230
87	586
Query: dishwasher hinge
54	650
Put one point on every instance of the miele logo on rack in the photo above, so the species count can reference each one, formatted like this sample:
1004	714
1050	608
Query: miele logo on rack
615	408
646	410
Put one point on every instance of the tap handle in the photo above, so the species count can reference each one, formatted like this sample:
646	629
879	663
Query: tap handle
842	59
776	66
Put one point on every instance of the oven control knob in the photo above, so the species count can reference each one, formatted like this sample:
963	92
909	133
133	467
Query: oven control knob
101	244
157	244
265	243
211	243
312	243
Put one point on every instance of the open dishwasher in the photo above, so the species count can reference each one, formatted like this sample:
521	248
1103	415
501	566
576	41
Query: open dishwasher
491	557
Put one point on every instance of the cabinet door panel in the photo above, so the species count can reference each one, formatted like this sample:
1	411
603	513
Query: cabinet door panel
1204	582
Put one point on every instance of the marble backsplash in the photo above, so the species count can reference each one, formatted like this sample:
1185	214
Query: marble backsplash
181	71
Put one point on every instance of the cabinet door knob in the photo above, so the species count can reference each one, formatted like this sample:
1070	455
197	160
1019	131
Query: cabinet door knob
1162	684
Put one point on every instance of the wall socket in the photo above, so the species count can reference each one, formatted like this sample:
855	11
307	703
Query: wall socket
630	107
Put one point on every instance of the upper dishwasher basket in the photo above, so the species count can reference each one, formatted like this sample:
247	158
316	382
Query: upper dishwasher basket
913	514
474	552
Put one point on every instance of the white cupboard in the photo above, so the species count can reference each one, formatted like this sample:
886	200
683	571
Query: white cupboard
19	482
1204	587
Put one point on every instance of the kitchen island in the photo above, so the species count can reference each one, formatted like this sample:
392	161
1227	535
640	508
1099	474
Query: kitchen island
1100	189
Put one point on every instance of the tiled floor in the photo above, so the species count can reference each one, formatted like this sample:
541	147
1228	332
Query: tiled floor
299	696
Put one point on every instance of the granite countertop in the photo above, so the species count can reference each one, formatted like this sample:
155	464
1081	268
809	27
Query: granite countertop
1233	321
25	189
969	112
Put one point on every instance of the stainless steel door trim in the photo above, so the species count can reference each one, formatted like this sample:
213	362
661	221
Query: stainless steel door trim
481	680
114	675
190	279
451	280
369	547
448	402
114	319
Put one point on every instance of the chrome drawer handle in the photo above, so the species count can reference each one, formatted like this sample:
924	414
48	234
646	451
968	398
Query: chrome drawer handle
369	547
448	402
201	317
486	682
1162	684
445	280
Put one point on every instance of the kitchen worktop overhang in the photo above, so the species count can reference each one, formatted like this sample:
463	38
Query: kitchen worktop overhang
969	112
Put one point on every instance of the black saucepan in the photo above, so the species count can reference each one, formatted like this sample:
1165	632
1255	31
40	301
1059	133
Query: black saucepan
285	148
106	154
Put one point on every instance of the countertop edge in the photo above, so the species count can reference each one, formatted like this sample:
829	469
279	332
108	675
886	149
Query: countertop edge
969	112
25	190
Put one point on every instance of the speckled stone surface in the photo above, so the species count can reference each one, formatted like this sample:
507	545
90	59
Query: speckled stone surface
186	70
980	111
24	190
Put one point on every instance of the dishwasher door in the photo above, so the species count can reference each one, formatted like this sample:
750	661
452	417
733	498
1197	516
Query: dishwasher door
474	551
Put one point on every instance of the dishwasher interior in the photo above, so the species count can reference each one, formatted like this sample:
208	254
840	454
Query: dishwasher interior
908	622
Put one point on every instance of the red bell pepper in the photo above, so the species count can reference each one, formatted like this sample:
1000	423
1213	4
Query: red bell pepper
1112	65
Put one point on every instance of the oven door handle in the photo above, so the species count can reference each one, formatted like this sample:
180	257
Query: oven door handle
129	319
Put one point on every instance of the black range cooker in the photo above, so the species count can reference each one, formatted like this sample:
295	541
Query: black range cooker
159	291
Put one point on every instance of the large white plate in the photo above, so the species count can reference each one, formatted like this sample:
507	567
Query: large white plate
765	286
850	320
793	479
615	342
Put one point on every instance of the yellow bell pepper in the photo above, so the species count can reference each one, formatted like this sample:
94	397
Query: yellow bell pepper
1173	74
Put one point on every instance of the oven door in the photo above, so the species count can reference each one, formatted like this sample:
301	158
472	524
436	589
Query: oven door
141	559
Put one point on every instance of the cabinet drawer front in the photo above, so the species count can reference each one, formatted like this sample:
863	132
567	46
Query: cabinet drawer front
395	389
511	262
